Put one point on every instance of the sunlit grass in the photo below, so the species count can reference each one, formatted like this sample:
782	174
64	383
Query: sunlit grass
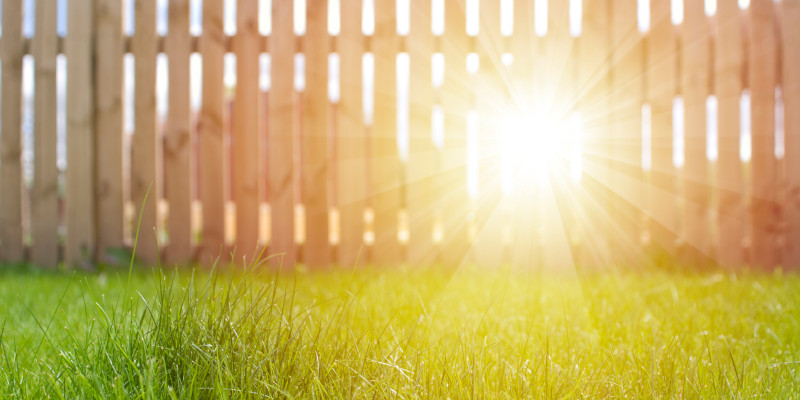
420	333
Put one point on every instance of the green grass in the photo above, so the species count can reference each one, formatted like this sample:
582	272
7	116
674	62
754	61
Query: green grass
408	333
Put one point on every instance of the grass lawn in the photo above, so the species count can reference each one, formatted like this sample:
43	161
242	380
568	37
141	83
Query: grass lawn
408	333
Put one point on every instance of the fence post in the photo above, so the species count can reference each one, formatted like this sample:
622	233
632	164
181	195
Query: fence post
44	198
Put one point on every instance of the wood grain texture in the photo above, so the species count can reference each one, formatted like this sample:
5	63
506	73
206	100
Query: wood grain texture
762	70
316	250
695	87
791	104
662	64
146	146
420	202
281	135
245	130
212	133
80	238
44	198
729	56
10	139
387	168
351	138
456	101
178	136
108	63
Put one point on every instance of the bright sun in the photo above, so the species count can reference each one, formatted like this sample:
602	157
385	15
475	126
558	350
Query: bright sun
538	146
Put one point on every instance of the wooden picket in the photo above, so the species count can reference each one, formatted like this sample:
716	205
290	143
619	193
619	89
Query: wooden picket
44	199
298	150
109	145
10	139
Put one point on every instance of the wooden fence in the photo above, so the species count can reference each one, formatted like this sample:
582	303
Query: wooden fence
376	131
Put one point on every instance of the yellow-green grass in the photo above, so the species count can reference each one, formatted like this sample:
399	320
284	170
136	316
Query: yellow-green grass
398	333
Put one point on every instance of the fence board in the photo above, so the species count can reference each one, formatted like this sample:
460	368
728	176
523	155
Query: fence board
109	192
178	136
386	161
281	134
10	140
626	99
80	135
661	84
350	137
44	197
729	59
791	125
491	97
761	76
695	61
145	145
316	250
212	132
245	132
422	153
456	96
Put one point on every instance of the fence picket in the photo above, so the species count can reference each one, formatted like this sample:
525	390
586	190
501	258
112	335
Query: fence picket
762	71
212	132
178	136
422	153
729	62
281	134
44	197
244	161
108	124
79	245
386	165
316	250
791	125
10	139
145	182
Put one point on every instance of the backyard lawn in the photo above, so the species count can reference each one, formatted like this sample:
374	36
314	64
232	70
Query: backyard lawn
405	333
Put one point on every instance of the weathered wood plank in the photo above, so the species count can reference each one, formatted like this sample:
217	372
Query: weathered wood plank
109	190
44	199
245	135
762	70
146	146
729	59
350	137
80	238
422	153
212	132
791	103
281	134
10	139
387	168
178	136
316	250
